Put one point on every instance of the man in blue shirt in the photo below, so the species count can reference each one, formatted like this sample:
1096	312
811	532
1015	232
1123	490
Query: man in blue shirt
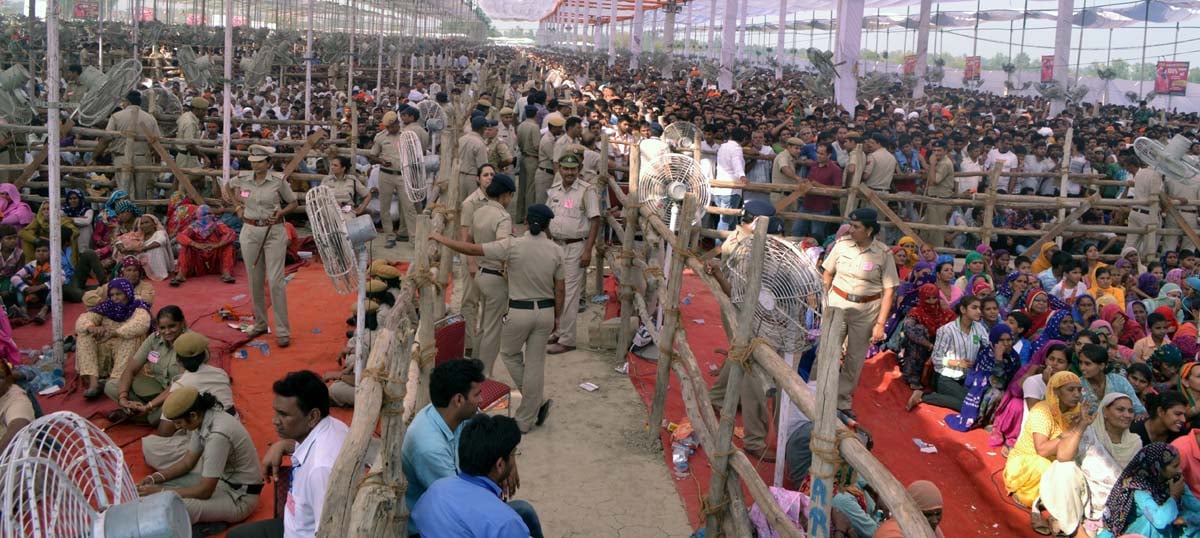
470	504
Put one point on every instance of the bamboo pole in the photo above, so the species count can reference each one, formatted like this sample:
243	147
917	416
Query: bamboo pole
1052	233
740	344
823	442
430	299
670	307
40	159
626	293
882	206
1182	223
989	207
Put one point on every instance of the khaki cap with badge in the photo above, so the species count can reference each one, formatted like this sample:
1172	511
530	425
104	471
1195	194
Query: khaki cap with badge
260	153
190	344
568	160
179	401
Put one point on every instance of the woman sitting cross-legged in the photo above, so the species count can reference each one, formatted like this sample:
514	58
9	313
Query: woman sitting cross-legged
206	247
109	334
955	349
1150	498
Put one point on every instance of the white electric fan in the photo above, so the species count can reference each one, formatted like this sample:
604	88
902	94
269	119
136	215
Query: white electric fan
342	243
15	106
62	476
412	166
164	105
788	314
105	90
197	70
256	69
434	119
661	189
1169	159
682	136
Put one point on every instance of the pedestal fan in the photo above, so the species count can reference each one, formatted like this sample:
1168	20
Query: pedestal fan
661	189
105	90
412	166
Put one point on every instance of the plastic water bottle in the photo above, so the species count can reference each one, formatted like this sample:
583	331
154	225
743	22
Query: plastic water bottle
679	461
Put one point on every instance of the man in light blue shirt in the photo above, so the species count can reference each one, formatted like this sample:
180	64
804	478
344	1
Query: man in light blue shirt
470	504
1052	276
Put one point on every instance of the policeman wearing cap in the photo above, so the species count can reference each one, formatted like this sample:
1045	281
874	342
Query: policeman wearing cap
262	197
130	151
472	154
499	154
187	127
528	136
856	160
577	209
547	166
219	478
860	278
163	448
572	133
385	151
941	185
507	133
492	222
535	267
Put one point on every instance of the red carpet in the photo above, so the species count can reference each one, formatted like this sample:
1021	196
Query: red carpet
966	470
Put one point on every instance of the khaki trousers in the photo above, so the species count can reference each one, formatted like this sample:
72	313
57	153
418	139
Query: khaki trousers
1170	242
541	183
493	291
529	329
341	394
470	306
144	389
225	505
856	333
272	241
573	280
162	452
755	415
1146	244
936	214
137	184
524	194
393	185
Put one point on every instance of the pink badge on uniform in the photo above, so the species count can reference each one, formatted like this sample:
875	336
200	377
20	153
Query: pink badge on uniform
867	266
152	357
568	203
245	194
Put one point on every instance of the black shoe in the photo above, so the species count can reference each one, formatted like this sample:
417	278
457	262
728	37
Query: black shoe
543	412
69	344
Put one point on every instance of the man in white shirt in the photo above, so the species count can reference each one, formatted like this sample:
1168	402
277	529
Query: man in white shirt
314	439
1035	163
760	169
1002	153
731	166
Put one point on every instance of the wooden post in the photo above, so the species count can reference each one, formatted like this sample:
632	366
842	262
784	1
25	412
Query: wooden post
184	180
1173	213
855	184
40	158
451	203
1066	170
602	188
430	300
625	289
666	344
741	339
833	333
989	210
882	206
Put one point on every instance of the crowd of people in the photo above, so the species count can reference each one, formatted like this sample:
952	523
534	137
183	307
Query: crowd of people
1076	353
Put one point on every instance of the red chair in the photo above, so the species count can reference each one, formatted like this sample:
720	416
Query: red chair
450	337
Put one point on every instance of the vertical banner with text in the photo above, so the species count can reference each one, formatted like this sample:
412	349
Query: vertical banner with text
910	64
1048	68
973	69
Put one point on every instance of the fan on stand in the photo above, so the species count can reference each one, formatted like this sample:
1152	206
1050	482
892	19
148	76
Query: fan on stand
165	106
15	107
662	187
197	70
1169	159
788	314
255	70
105	90
681	136
412	166
434	119
62	476
342	243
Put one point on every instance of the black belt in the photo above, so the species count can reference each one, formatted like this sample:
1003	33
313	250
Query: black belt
568	241
1142	210
390	171
257	222
496	272
530	305
546	170
251	489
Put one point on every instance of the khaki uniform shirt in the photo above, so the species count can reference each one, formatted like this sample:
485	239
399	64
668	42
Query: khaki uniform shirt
347	191
213	380
421	133
944	184
1147	183
157	359
491	223
534	263
546	152
508	135
226	449
499	154
261	200
881	167
472	202
472	153
1183	189
859	272
131	119
783	161
187	127
573	209
15	405
528	137
560	146
387	148
859	160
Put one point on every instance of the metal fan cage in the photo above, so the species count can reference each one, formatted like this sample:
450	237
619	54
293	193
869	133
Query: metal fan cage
412	166
666	182
1155	154
432	115
681	136
57	475
256	70
790	301
99	101
164	104
332	238
15	107
195	69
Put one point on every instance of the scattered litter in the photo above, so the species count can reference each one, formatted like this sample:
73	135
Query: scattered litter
623	368
498	405
239	297
600	299
234	326
991	453
698	321
316	330
289	278
925	447
590	387
241	354
49	390
968	445
688	298
973	507
263	347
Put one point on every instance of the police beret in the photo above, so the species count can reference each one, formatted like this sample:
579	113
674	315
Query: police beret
484	101
376	286
656	129
200	102
568	160
505	181
795	141
531	110
179	401
865	214
506	111
540	210
410	111
260	153
190	344
372	305
389	118
378	263
556	120
758	208
479	122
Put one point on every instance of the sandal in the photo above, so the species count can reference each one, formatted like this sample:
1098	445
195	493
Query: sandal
1040	525
228	279
175	282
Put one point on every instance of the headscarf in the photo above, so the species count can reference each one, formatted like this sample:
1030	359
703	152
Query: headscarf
1163	259
131	261
914	252
978	381
1186	329
1129	445
1169	313
75	212
934	316
16	207
1194	283
1078	316
1057	381
979	285
9	351
903	270
971	258
1132	250
1101	324
1187	346
983	248
1148	283
927	266
1167	354
1164	299
205	223
1005	289
1144	473
126	205
110	206
1182	387
1042	262
1037	321
1051	330
1175	276
120	312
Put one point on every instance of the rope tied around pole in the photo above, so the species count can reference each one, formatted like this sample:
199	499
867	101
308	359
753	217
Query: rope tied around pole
827	450
422	277
653	272
741	354
426	357
448	212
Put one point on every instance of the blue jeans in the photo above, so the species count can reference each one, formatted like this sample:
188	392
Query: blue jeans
529	516
816	229
727	201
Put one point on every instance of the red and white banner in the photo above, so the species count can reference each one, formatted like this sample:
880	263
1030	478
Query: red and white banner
147	14
973	69
87	10
910	64
1048	68
1171	78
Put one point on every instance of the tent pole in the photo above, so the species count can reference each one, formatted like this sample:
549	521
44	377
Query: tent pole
52	149
712	29
779	40
728	45
1062	51
308	63
227	102
612	32
1145	34
922	48
1079	52
1174	56
975	38
741	47
635	37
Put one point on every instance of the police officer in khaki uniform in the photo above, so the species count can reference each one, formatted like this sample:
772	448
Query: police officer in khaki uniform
190	351
140	388
385	151
860	278
528	136
351	193
472	153
263	197
508	135
1180	192
220	477
188	127
577	208
535	269
491	222
470	296
544	177
1147	183
16	409
942	186
133	120
572	132
499	154
410	117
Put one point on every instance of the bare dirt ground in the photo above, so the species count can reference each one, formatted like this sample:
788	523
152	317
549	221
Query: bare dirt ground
589	471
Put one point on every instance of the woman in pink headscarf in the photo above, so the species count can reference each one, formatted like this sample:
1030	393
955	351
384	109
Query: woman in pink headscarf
13	211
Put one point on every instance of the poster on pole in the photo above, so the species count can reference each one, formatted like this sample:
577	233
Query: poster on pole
910	64
973	69
87	10
1170	78
1048	68
147	14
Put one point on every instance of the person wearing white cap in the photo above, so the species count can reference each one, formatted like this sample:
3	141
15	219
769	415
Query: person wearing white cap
385	152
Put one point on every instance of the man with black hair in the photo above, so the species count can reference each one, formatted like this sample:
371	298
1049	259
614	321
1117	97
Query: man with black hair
880	167
731	167
130	151
528	136
471	503
1058	266
314	439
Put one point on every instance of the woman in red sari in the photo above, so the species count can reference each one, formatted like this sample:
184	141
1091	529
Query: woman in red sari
205	247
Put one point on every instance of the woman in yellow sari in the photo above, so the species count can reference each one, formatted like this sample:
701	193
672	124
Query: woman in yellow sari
1043	260
1054	425
39	230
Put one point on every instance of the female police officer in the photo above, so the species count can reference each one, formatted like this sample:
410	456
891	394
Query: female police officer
535	302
